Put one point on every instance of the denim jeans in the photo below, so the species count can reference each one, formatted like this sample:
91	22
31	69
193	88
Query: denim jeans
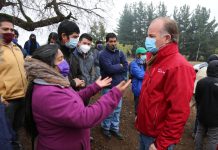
136	101
146	141
15	114
112	122
6	133
212	137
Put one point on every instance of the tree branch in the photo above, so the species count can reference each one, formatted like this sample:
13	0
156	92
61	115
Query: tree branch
3	3
85	9
30	26
56	9
23	13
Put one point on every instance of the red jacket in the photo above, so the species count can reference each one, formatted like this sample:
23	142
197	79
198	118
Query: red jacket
165	95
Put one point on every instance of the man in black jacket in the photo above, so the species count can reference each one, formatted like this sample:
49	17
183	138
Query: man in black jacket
206	96
68	33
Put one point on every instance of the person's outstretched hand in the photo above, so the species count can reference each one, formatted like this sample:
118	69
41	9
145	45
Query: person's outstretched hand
123	85
103	83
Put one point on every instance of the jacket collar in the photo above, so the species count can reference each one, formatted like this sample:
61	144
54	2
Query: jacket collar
66	51
139	61
169	49
116	50
9	45
43	82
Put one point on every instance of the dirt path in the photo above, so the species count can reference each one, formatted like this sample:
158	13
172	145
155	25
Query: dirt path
130	141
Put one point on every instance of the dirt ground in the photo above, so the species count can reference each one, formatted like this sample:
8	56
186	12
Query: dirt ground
130	141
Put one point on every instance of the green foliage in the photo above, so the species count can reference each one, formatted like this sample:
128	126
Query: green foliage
98	31
125	29
161	10
125	48
134	22
216	51
198	34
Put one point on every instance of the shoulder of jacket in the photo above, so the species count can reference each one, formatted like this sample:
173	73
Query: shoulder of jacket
104	53
133	61
16	47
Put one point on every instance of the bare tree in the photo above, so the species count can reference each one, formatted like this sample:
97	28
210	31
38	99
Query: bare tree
31	14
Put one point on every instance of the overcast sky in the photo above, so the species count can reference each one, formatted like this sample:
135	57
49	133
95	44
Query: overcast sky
113	17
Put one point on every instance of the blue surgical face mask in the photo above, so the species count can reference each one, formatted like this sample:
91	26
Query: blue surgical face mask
72	43
143	57
150	45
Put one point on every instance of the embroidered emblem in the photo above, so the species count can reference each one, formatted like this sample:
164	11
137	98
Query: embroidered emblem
159	70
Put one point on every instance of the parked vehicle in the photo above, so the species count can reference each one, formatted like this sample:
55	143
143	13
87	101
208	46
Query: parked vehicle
199	66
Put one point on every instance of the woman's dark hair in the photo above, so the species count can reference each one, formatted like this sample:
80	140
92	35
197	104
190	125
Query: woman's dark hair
53	35
46	54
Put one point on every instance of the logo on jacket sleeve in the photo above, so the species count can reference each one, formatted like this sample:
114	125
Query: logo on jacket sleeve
159	70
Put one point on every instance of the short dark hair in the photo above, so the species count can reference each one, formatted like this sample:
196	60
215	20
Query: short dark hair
52	35
16	32
4	18
110	35
85	36
67	27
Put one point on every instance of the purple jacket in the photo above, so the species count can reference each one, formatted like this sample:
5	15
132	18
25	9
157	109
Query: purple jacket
62	120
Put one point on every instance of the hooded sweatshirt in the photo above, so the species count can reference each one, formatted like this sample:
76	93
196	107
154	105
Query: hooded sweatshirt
206	96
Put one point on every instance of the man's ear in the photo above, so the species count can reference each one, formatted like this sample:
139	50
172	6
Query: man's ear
168	37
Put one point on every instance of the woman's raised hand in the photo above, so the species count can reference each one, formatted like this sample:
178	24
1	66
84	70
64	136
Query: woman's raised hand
123	85
104	82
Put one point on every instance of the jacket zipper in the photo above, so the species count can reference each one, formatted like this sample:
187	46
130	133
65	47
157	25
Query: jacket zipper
18	67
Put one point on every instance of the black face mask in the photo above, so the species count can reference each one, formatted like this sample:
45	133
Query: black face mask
33	40
112	47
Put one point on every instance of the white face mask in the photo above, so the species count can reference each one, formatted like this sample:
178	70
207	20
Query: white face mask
84	48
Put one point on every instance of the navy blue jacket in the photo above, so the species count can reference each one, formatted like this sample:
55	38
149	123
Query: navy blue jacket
109	62
137	71
27	47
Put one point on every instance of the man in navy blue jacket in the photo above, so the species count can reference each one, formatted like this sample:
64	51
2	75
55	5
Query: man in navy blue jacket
113	64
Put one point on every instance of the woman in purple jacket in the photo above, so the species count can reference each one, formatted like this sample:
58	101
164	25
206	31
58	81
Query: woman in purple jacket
55	113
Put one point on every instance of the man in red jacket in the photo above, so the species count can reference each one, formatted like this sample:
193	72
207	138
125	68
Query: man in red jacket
166	89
